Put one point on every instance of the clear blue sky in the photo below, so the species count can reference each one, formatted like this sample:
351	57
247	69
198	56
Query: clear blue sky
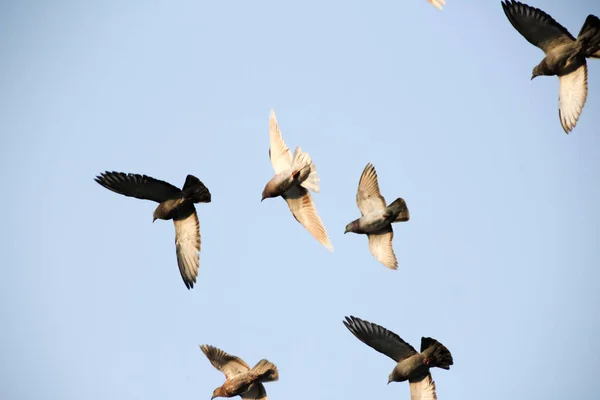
499	261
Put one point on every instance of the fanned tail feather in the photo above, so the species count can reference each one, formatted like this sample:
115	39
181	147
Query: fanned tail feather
307	172
265	371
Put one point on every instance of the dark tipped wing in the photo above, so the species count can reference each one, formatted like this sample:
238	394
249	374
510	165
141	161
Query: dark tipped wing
379	338
138	186
224	362
536	26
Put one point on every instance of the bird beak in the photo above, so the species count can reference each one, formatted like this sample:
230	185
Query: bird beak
154	220
532	76
346	231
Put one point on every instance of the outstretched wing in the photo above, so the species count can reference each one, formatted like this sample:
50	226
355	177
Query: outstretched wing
379	338
224	362
422	389
302	207
187	244
380	244
280	155
573	91
536	26
138	186
368	196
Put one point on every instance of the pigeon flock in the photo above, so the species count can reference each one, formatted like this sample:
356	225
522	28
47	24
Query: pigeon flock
296	176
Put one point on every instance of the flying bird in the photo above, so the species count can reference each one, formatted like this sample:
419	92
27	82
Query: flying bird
437	3
411	365
294	177
377	218
174	203
240	380
565	55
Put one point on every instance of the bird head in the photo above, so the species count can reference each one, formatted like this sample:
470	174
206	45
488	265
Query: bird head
268	191
537	71
217	393
349	227
154	217
390	379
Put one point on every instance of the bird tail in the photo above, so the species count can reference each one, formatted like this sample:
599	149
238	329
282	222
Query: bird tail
437	354
437	3
306	171
589	36
265	371
195	191
399	209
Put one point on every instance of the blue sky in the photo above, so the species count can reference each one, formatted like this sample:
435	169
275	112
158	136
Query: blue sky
499	261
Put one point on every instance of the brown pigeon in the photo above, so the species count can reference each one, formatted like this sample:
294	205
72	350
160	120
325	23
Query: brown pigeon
293	178
411	365
565	55
240	380
176	204
377	218
437	3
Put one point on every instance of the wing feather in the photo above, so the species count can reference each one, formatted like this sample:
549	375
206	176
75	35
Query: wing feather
379	338
279	153
537	27
572	96
302	207
423	389
226	363
138	186
368	196
187	244
380	245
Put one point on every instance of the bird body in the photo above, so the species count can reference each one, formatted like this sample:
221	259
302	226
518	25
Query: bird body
410	365
294	177
174	204
565	55
377	218
240	379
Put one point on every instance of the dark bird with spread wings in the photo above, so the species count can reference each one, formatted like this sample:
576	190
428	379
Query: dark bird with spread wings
565	55
174	203
240	380
411	365
377	218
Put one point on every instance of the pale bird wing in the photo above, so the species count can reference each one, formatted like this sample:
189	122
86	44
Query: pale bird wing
380	245
302	207
423	389
280	155
187	244
379	338
437	3
572	95
537	27
368	196
255	392
224	362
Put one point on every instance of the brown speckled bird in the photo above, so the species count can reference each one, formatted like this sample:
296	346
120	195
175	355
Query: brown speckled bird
293	178
174	203
565	55
240	380
411	365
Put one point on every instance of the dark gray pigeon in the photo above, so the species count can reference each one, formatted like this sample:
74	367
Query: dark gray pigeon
411	365
174	203
377	218
565	55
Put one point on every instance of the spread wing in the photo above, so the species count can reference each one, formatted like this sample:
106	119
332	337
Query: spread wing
256	392
224	362
280	155
379	338
536	26
437	3
368	197
187	244
380	245
572	95
302	207
138	186
422	389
